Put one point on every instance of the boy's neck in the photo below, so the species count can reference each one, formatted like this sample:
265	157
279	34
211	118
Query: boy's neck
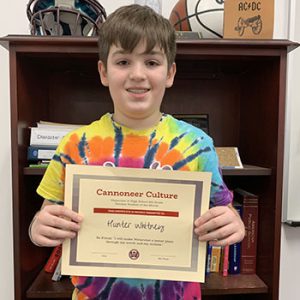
138	123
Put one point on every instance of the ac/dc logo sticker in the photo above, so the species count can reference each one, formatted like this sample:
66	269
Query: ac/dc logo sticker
134	254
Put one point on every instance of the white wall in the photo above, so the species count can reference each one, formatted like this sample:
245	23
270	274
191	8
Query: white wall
13	20
290	237
292	136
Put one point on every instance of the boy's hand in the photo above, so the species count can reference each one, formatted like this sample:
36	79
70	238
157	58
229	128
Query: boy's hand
53	224
220	225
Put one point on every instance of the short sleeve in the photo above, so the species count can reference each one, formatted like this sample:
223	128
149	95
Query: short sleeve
219	193
53	182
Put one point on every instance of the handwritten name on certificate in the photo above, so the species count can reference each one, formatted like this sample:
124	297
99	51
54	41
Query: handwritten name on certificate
138	223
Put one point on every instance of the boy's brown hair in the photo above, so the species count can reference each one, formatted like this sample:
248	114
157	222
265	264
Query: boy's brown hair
128	25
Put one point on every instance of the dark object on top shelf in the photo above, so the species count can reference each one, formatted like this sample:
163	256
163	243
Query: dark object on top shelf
65	17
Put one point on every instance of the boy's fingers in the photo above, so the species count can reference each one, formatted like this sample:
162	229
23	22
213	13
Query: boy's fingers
56	234
210	214
234	238
219	234
212	224
64	212
46	242
58	222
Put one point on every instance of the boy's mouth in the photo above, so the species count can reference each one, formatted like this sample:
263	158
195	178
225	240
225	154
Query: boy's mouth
138	91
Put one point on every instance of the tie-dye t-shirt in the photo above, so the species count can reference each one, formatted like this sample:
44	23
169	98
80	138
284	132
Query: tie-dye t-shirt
170	145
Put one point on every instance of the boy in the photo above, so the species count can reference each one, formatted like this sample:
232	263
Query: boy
137	51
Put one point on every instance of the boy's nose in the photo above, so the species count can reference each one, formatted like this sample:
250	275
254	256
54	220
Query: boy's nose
137	72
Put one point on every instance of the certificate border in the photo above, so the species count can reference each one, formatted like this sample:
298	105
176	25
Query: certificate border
197	210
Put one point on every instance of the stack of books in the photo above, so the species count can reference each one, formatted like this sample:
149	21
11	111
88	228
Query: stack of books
44	139
239	258
53	264
217	260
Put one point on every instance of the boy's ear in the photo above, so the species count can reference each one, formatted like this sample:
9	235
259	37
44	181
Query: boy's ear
102	73
171	75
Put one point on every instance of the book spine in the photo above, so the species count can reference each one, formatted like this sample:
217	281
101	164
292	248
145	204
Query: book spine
44	137
249	244
57	273
53	259
208	259
225	260
235	250
215	259
234	258
35	154
250	218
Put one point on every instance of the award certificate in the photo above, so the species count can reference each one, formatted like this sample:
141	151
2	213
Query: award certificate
138	223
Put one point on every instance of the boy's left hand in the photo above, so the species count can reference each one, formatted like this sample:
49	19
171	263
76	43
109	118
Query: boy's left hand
220	225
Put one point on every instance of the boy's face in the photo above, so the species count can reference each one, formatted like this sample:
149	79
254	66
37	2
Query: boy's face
137	83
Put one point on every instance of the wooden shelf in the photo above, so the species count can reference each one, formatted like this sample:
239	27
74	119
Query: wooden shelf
44	287
216	284
34	171
248	170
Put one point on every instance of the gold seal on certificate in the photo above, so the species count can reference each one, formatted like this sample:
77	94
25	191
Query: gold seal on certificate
138	223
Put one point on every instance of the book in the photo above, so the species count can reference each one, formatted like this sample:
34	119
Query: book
38	166
208	258
229	158
234	256
215	259
46	137
249	204
234	259
35	154
50	133
53	125
53	259
57	272
225	260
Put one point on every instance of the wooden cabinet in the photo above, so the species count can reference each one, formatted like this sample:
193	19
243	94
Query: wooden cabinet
241	86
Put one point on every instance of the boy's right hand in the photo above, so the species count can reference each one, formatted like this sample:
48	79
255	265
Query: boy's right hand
53	224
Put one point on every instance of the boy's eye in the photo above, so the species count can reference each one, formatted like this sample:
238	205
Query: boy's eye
122	62
152	63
